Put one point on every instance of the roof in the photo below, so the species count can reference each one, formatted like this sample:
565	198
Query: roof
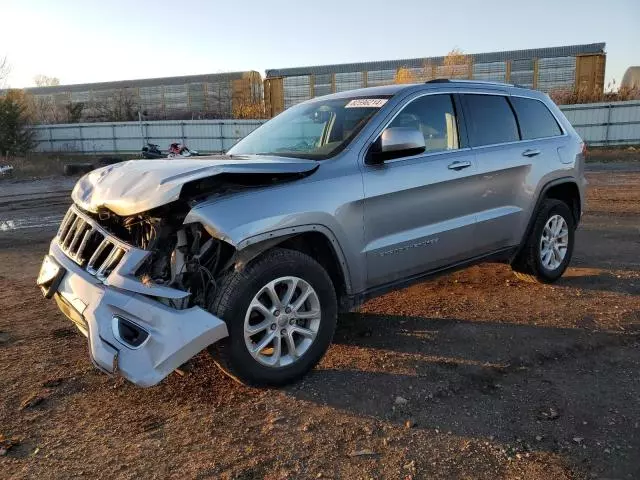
143	82
370	91
386	90
565	51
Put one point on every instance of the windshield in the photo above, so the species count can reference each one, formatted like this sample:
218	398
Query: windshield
315	130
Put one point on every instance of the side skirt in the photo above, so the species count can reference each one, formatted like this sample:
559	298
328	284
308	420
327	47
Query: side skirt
350	302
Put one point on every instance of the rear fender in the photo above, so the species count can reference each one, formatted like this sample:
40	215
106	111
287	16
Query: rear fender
540	198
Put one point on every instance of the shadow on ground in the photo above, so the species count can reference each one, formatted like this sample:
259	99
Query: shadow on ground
598	279
533	388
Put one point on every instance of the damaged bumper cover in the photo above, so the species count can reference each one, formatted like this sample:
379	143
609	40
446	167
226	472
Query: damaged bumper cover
129	333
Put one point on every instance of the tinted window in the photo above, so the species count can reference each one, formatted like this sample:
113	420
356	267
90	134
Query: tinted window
535	119
490	120
435	117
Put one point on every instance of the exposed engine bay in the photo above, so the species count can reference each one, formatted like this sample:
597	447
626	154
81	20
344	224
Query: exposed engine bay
146	208
184	257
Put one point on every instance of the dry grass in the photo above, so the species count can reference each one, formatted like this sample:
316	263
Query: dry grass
613	154
588	95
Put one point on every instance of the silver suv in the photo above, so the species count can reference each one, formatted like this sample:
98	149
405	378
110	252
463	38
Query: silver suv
337	200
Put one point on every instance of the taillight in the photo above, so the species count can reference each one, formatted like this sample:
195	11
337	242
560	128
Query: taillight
584	149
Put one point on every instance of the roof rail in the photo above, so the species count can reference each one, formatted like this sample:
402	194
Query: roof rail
481	82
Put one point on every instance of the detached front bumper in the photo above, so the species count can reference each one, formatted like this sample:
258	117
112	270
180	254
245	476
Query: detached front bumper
169	337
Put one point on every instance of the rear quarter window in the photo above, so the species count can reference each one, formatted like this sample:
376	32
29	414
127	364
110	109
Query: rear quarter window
490	120
536	121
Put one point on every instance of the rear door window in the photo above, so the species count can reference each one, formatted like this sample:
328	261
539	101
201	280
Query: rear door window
490	120
536	121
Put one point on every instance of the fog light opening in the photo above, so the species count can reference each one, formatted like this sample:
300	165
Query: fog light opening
128	333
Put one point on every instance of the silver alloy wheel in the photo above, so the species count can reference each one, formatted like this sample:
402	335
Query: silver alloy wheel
282	321
554	242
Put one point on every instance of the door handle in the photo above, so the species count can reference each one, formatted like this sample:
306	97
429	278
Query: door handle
531	153
457	165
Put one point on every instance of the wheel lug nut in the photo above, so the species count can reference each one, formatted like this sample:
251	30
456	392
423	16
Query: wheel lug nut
287	310
292	321
283	332
277	313
273	326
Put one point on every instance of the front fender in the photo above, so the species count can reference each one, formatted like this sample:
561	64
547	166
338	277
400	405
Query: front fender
251	239
330	202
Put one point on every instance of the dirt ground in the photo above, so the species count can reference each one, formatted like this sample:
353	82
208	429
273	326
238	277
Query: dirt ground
473	375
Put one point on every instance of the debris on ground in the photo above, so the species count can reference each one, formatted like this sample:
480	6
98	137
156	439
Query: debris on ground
549	414
34	399
410	466
363	453
7	444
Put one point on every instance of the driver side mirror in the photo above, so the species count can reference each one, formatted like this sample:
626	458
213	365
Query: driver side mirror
396	142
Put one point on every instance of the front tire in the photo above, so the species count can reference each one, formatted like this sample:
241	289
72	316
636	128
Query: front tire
281	313
549	248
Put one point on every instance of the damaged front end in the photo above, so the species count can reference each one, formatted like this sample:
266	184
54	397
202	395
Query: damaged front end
180	257
136	279
140	288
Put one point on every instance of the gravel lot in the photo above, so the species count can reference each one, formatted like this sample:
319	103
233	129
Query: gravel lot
473	375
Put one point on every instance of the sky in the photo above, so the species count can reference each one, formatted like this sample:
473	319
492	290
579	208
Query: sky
90	41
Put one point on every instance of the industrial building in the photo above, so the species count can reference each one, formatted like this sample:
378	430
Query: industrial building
569	67
216	95
244	95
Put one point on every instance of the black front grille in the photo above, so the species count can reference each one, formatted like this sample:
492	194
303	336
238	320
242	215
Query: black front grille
88	246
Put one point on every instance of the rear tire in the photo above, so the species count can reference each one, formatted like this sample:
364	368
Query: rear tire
548	250
245	302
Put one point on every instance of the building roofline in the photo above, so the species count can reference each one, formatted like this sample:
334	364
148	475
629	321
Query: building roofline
489	57
142	82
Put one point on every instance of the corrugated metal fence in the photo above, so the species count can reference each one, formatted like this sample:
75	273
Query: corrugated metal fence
616	123
127	137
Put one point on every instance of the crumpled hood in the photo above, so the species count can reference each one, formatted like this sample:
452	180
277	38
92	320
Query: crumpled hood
136	186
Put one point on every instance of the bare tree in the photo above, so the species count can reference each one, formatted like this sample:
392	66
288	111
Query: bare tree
5	69
404	75
457	64
249	110
44	109
73	112
44	81
119	106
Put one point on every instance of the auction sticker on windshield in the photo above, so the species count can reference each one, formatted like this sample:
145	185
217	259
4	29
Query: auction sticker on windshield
366	103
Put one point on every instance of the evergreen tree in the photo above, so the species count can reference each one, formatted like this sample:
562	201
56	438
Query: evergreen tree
16	136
